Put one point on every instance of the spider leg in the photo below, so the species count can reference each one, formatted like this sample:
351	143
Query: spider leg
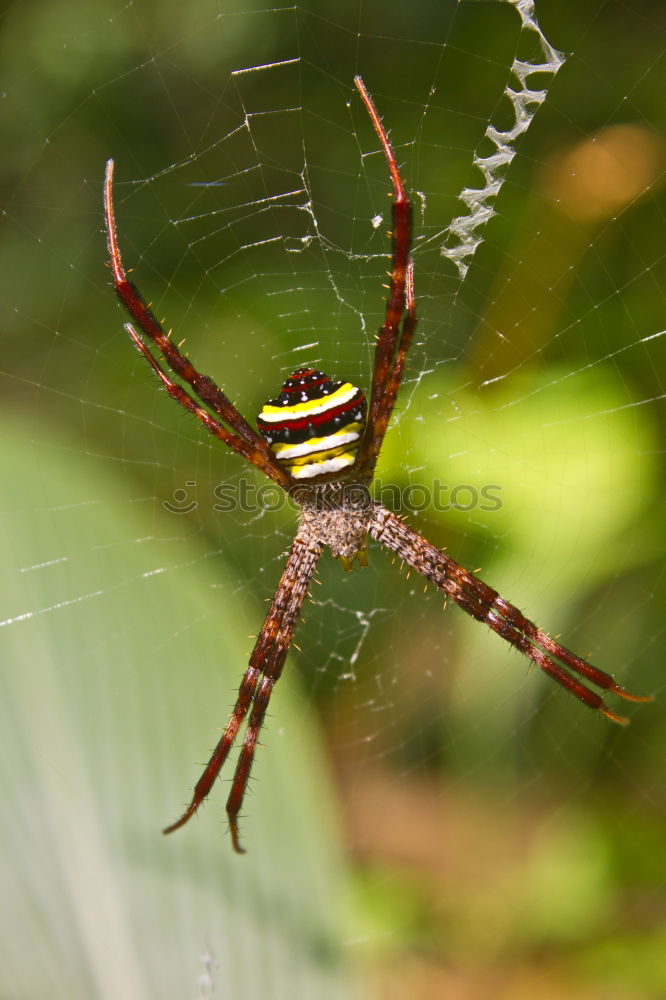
374	443
207	391
176	392
389	365
266	663
485	604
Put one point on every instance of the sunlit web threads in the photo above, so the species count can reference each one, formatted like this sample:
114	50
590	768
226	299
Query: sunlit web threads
315	425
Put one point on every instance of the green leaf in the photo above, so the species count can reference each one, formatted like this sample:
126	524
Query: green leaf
121	654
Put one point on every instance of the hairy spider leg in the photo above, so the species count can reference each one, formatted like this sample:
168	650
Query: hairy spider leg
388	367
207	391
395	377
265	667
176	392
483	603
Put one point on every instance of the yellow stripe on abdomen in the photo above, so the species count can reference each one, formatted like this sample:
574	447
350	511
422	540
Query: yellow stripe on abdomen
315	426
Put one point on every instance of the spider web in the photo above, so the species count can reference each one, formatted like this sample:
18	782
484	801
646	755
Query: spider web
424	808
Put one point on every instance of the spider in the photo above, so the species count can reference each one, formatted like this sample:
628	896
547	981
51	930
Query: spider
320	441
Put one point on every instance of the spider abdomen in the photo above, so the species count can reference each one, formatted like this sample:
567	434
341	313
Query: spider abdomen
315	425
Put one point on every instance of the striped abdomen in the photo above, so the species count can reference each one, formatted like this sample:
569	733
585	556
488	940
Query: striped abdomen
315	425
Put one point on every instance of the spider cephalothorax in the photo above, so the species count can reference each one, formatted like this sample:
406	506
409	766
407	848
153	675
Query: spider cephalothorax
338	516
318	444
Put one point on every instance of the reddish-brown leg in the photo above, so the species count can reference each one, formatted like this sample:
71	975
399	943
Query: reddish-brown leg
176	392
485	604
395	378
385	372
207	391
265	667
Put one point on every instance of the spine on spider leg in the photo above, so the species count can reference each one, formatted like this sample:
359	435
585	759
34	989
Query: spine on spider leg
485	604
